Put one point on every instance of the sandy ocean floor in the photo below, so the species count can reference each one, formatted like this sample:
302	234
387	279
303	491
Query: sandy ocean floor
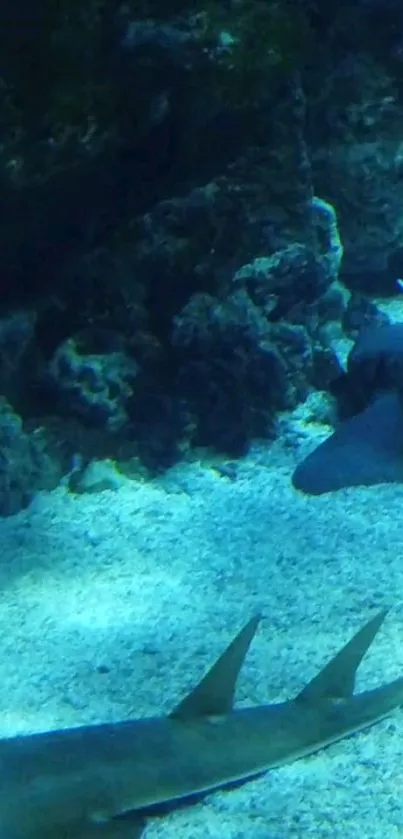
114	604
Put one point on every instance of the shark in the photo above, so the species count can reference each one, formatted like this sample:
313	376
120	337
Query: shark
102	781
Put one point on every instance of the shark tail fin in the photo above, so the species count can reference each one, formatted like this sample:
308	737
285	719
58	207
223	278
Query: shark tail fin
214	695
337	679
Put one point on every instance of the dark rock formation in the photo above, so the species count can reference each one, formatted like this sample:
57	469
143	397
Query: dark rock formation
176	183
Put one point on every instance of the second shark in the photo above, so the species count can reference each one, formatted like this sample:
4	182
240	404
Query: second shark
97	781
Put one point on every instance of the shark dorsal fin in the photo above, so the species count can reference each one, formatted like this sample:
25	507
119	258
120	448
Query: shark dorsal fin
214	695
337	679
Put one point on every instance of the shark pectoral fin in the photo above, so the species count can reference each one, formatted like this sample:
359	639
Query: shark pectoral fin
214	695
337	679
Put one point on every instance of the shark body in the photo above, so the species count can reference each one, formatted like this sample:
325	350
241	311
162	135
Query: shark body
96	781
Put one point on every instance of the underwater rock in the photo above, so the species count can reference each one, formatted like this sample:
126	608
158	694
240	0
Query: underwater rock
96	476
18	354
94	384
326	366
293	274
16	333
24	464
361	91
230	372
275	283
365	450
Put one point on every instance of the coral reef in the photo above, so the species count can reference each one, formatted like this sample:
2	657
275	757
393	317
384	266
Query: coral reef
198	202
